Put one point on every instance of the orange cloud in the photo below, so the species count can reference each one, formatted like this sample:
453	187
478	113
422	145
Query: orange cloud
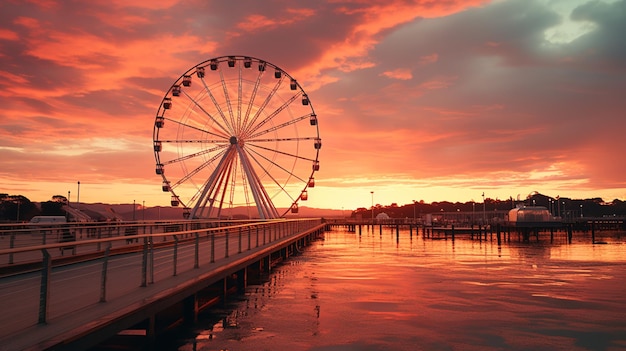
6	34
290	16
400	73
439	83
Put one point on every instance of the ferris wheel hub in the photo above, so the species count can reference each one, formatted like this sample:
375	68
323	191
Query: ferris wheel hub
233	140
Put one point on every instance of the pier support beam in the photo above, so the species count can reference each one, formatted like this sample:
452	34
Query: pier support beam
190	309
151	332
242	279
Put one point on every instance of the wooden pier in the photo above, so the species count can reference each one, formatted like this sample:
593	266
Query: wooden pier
501	231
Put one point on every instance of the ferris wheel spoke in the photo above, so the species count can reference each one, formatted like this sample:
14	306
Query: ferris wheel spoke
281	152
191	141
275	164
280	186
230	106
279	139
198	129
229	128
196	154
205	112
257	83
272	115
239	99
268	98
198	169
280	126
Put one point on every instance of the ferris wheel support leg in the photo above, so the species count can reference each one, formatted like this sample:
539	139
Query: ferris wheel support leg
208	189
263	202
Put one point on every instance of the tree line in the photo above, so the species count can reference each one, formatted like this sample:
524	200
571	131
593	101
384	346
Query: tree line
18	208
559	207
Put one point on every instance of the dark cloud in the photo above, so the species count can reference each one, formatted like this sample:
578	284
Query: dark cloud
604	47
507	98
35	73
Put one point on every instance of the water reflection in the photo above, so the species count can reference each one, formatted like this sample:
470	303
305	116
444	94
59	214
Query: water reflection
402	292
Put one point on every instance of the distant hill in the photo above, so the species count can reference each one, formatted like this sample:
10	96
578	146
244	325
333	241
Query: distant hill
100	211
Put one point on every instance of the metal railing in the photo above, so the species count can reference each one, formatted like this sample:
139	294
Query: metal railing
124	269
34	234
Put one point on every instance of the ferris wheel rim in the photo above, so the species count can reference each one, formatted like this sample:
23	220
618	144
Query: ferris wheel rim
229	141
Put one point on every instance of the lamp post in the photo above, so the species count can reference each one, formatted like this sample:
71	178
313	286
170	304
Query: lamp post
68	197
133	210
581	210
484	210
143	210
414	206
473	212
550	206
78	195
371	192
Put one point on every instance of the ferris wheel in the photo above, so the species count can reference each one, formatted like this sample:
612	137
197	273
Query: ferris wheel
236	134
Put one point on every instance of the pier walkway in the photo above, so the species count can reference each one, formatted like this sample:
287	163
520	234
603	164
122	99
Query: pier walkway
102	286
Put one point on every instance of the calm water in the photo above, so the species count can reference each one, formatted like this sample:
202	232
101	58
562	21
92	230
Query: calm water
377	292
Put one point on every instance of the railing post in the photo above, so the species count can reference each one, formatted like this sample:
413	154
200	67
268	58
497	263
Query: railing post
257	235
11	245
103	276
99	237
212	247
249	237
196	259
144	262
151	260
239	244
44	292
175	252
226	243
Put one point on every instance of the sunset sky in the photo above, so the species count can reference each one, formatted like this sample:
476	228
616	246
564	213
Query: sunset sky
416	100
